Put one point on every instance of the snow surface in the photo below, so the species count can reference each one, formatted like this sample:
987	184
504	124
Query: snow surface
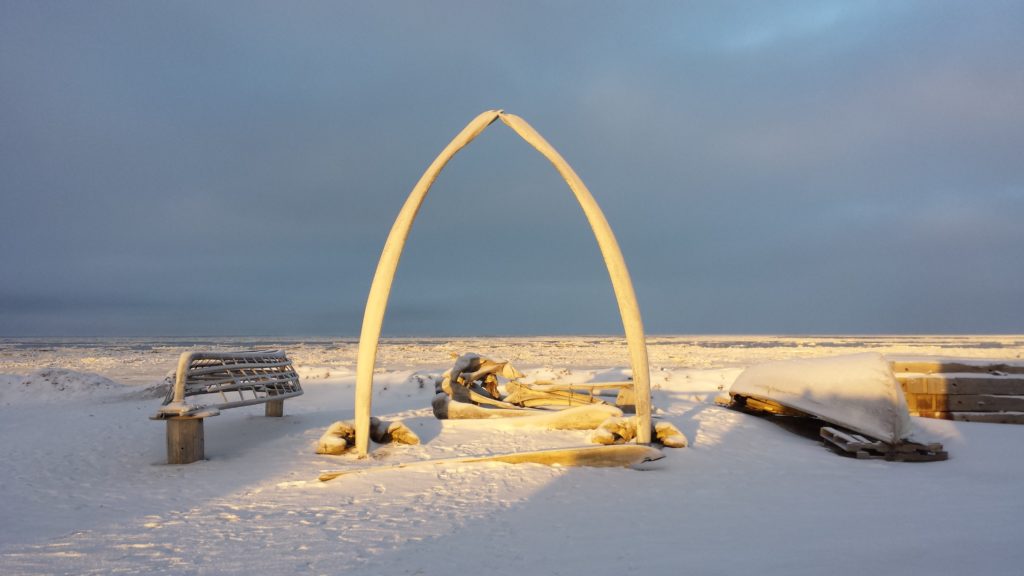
86	490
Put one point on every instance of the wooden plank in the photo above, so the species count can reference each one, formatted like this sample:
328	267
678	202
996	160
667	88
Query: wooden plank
548	401
749	403
973	367
857	445
990	417
849	442
964	403
960	384
525	395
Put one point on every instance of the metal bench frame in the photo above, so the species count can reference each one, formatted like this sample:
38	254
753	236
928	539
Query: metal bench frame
234	379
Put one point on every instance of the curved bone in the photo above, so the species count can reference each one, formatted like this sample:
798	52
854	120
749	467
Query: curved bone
342	434
384	432
338	437
594	456
669	435
619	430
380	289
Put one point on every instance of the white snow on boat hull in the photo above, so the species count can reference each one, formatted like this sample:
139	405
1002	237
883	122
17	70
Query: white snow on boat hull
856	391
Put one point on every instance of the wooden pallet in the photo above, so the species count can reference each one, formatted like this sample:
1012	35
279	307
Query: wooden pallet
863	447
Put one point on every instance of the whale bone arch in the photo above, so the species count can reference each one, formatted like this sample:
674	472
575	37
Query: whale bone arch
380	289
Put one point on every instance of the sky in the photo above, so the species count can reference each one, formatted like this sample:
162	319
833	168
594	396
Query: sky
233	168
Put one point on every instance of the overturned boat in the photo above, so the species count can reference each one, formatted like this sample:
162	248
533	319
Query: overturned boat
858	392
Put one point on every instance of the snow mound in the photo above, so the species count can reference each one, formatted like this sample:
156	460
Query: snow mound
56	385
156	391
857	391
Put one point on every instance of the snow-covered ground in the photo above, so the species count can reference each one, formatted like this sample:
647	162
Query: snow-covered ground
85	489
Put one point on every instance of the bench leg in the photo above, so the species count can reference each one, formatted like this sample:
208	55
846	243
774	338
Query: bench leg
184	440
275	408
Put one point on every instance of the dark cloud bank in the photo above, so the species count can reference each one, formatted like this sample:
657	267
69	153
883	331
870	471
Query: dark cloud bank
216	168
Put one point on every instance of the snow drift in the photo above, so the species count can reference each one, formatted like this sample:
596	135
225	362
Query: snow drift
56	385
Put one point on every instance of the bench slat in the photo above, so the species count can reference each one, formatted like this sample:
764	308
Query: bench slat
214	368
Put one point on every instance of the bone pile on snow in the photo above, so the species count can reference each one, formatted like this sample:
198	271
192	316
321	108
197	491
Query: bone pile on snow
342	434
618	430
471	368
471	382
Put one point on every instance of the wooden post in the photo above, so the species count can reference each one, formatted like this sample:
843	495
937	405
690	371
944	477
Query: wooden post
184	440
275	408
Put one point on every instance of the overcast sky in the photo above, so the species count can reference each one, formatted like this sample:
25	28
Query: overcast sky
221	168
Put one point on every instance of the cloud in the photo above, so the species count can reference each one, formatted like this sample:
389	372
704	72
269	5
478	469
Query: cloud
783	168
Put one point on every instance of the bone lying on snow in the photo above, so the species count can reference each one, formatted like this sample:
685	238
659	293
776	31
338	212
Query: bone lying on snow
525	395
618	430
338	437
586	417
469	391
342	434
575	418
596	456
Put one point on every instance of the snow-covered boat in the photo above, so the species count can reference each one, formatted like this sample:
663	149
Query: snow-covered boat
857	391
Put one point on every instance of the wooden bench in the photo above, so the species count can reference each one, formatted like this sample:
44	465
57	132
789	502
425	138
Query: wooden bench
221	380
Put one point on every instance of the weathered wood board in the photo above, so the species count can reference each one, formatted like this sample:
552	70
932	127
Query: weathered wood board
185	440
951	366
990	417
964	403
960	384
754	405
862	447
